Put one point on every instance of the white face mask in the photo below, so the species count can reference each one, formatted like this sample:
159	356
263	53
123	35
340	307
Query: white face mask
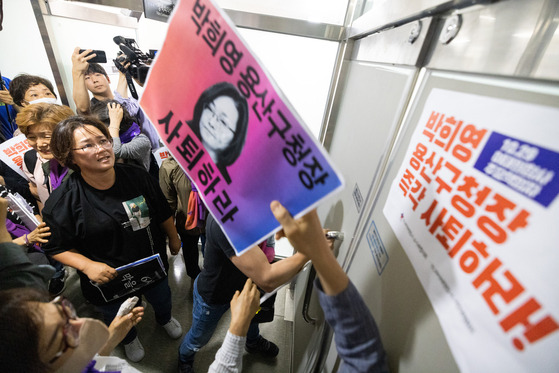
45	100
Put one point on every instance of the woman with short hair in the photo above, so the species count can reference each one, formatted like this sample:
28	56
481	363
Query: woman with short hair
37	123
95	230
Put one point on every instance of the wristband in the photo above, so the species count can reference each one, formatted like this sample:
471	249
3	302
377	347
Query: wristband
26	240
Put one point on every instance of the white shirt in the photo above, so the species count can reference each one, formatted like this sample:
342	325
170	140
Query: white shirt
229	358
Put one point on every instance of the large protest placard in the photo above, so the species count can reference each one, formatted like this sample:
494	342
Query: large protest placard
475	207
230	128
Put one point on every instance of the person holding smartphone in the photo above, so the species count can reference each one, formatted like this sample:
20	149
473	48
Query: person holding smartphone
92	77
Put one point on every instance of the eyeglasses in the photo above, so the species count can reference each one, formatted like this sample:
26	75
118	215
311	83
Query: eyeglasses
90	148
215	117
70	336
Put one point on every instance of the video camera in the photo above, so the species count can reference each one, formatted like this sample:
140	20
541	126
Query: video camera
139	61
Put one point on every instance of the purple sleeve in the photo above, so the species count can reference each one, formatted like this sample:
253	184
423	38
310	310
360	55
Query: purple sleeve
90	368
133	107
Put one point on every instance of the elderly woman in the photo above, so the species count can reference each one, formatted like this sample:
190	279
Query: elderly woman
221	121
94	228
44	172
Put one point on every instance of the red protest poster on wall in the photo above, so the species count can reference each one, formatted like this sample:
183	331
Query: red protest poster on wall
231	129
475	207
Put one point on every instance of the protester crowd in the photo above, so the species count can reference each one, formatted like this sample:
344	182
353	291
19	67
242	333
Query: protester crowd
98	200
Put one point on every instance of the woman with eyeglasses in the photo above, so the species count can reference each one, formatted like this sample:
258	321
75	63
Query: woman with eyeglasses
41	336
95	230
221	122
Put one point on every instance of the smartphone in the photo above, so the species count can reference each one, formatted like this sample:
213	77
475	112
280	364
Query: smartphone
99	58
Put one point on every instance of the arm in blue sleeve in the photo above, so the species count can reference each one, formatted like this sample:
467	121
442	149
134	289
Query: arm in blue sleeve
355	332
131	105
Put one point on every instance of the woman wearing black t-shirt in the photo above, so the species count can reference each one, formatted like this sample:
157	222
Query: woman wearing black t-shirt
95	228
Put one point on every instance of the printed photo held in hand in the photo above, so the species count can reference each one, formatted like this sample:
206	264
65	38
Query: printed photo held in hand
230	127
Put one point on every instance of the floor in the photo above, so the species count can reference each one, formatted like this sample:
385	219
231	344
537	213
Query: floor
162	352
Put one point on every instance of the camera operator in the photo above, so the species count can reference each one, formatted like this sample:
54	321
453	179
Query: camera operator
92	77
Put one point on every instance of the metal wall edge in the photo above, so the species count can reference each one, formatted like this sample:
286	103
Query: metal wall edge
288	26
404	45
137	5
513	38
75	10
38	10
345	48
389	14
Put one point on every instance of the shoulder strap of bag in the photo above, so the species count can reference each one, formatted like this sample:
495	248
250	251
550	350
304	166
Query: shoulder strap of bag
30	159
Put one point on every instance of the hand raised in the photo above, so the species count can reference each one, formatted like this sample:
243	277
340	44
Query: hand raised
79	60
121	325
116	114
5	97
305	234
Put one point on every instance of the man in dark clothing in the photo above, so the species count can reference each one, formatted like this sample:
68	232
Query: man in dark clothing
223	274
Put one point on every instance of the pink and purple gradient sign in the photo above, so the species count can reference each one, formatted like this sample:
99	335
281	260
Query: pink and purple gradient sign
238	169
